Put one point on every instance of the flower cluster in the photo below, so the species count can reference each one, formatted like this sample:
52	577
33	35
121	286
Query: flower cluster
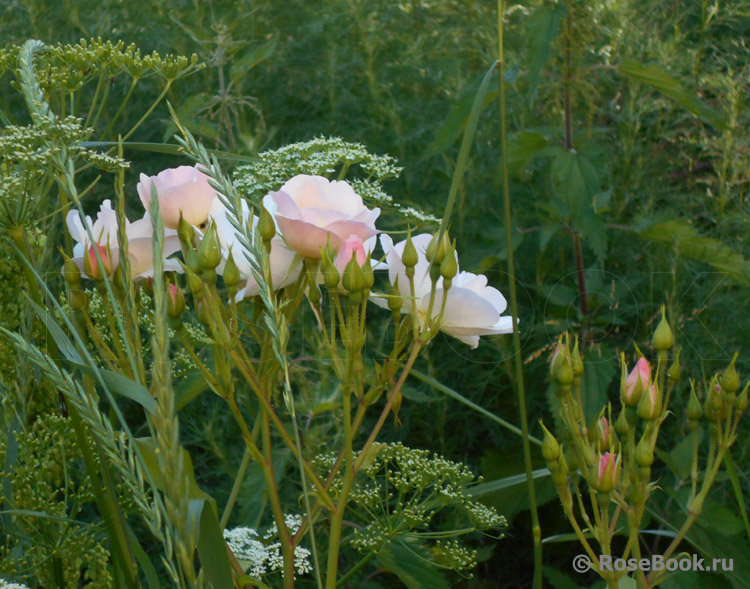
402	493
262	557
308	219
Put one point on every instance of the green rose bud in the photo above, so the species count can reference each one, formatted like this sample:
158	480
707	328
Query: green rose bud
663	337
266	225
438	248
231	271
209	250
186	233
644	454
410	256
694	409
550	446
649	407
71	272
353	279
730	380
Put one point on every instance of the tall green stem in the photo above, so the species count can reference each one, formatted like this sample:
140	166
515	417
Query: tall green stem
536	530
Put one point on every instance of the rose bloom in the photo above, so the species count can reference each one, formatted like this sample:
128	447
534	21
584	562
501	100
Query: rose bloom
104	231
183	189
285	264
472	309
310	210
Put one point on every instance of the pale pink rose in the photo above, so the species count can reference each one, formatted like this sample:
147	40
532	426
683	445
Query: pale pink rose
353	246
310	211
183	189
285	264
104	231
472	308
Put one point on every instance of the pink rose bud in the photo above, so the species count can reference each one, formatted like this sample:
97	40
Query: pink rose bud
353	246
603	432
607	472
636	383
175	301
91	264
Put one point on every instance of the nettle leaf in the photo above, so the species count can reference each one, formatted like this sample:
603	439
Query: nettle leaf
658	78
541	30
522	148
410	562
689	243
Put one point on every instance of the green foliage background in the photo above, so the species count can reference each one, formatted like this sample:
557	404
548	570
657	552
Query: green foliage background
654	182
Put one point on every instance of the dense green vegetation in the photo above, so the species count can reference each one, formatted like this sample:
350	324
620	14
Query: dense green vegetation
628	159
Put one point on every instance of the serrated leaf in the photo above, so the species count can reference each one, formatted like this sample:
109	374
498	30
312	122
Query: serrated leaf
522	148
688	242
541	30
657	77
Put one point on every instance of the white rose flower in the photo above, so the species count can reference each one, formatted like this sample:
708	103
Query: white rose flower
472	308
310	210
285	264
104	231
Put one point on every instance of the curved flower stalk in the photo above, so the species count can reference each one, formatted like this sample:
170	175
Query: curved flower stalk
104	230
471	308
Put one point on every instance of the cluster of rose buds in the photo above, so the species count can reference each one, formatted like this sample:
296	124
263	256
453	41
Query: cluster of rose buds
615	458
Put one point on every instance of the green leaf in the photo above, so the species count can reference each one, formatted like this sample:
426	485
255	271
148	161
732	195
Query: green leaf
732	472
507	489
688	242
410	562
212	550
576	175
660	79
458	118
146	447
598	372
506	482
522	148
541	30
193	385
680	459
122	385
255	56
558	579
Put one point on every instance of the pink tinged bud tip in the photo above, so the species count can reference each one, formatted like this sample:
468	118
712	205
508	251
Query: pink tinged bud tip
172	292
637	380
604	428
91	263
352	246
